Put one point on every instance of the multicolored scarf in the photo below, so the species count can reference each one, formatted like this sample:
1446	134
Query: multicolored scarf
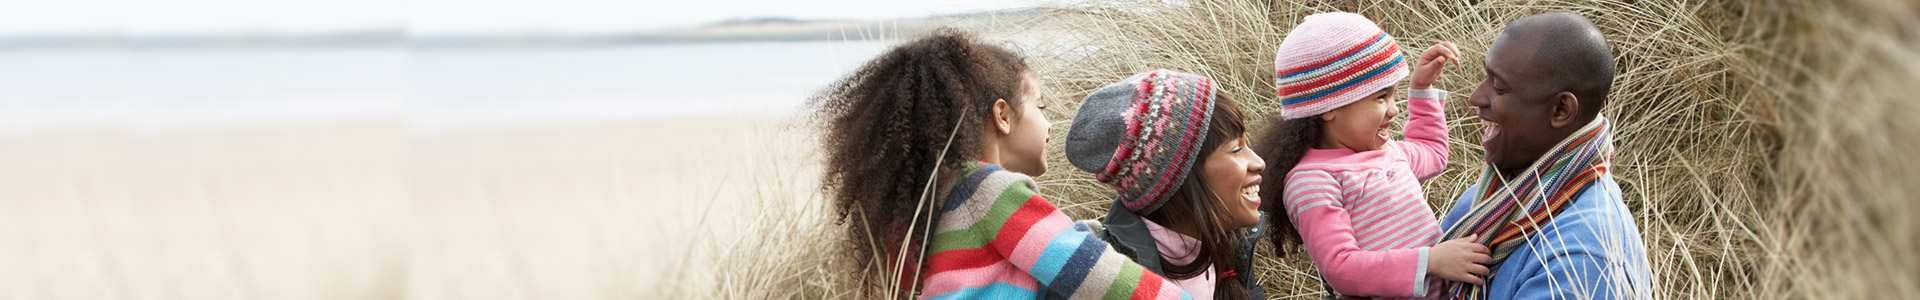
1507	213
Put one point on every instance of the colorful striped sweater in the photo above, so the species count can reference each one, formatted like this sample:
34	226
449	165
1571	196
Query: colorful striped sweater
1362	215
997	238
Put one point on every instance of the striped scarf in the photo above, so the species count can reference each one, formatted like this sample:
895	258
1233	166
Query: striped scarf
1539	193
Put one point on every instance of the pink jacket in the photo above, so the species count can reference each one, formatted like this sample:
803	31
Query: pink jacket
1363	216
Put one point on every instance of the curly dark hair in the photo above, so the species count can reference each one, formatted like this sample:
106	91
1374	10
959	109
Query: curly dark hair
1282	143
1193	201
895	132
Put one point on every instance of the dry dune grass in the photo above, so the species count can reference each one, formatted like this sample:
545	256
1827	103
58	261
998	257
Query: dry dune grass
1760	142
1694	121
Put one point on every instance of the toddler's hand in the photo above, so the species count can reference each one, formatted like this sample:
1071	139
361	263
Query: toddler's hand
1431	62
1459	259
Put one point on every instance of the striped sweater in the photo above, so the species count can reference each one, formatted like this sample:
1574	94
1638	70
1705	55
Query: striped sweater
1362	215
997	238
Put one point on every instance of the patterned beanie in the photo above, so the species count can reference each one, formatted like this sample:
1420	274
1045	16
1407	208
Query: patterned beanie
1331	60
1141	135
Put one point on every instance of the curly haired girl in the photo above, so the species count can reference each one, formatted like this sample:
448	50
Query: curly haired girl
929	149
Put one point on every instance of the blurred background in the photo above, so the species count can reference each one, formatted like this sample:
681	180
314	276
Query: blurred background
424	149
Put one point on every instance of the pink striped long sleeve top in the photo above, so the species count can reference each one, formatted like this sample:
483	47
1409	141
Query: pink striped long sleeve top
1362	215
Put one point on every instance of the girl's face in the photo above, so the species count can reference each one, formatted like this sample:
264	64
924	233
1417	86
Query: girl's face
1233	174
1024	147
1362	125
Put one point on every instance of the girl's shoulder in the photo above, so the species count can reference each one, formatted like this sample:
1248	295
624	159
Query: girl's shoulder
984	175
984	182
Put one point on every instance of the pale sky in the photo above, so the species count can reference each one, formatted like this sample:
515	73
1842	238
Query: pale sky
438	16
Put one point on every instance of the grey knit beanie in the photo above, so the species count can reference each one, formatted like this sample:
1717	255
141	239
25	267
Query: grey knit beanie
1141	135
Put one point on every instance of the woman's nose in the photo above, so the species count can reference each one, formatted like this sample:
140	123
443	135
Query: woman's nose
1259	164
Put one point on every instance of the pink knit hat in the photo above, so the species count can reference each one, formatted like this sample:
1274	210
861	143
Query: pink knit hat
1331	60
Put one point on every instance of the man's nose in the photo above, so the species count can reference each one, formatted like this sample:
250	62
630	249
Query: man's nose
1479	97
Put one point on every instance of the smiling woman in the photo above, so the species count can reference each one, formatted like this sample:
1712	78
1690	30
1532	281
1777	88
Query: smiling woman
1182	211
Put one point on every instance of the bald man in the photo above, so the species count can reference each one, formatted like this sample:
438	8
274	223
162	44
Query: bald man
1546	203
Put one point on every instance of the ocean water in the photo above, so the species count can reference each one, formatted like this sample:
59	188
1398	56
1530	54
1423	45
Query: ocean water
393	173
433	88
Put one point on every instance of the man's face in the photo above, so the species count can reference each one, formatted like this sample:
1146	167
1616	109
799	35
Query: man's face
1514	100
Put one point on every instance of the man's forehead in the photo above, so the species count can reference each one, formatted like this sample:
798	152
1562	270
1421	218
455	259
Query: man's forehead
1511	55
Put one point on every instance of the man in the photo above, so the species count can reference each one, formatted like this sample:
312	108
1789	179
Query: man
1546	204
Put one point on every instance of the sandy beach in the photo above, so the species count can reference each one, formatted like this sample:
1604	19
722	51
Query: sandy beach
368	209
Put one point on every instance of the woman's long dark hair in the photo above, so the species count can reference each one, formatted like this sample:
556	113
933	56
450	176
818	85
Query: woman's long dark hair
1193	201
890	125
1282	143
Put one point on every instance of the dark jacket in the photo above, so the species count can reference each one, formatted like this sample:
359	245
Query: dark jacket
1128	234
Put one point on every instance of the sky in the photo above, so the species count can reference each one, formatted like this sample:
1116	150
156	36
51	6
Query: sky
438	16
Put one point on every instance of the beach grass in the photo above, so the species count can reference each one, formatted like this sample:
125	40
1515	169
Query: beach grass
1760	143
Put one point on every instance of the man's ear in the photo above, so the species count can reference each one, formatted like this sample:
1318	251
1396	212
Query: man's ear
1002	116
1565	107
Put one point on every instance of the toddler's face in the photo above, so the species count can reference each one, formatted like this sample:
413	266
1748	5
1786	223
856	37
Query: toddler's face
1362	125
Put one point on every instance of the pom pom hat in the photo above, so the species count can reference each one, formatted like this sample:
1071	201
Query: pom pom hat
1331	60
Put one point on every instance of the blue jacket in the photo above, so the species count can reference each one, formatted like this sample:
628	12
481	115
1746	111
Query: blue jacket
1590	251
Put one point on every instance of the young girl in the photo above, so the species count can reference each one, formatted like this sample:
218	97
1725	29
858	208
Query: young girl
928	151
1353	193
1174	149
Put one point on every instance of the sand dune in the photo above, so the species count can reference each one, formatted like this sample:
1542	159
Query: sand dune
366	209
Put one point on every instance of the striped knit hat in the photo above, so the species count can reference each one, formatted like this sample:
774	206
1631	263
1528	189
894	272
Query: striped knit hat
1331	60
1141	135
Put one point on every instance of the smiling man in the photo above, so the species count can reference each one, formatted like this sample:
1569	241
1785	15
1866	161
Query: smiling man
1546	203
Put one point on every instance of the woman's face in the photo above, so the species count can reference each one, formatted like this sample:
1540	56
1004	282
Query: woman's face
1233	174
1024	148
1362	125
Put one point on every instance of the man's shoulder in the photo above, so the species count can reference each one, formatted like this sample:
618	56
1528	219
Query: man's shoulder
1600	199
1598	218
1595	240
